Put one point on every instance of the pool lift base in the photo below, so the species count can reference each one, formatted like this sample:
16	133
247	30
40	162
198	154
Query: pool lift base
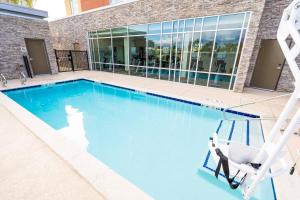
254	165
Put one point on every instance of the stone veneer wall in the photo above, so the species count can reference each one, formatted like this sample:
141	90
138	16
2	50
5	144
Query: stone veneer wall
268	29
13	30
73	29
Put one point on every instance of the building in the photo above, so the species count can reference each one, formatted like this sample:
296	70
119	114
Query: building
20	2
74	7
228	44
24	32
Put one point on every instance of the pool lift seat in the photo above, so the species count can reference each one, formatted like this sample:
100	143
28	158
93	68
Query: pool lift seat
256	163
241	161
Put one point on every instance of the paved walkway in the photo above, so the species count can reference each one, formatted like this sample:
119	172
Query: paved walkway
30	170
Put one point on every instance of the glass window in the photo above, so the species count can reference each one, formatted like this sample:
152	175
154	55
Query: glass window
232	82
104	33
164	74
173	51
240	51
186	51
153	72
167	27
137	71
105	50
153	50
210	23
220	81
247	19
204	62
94	66
121	69
171	77
181	26
207	42
119	31
192	76
178	51
119	50
183	76
194	52
97	66
93	34
201	79
165	50
225	51
175	26
154	28
189	25
202	51
198	24
231	21
107	67
137	50
176	74
96	50
137	29
92	50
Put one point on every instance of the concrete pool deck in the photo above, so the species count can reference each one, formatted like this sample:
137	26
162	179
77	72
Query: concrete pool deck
32	170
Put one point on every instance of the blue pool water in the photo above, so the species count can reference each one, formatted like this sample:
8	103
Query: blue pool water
158	144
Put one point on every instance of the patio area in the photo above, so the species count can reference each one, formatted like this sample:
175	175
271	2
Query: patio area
30	162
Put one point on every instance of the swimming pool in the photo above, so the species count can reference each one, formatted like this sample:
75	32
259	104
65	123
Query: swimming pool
159	144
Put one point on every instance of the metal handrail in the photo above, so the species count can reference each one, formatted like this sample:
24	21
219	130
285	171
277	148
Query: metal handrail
251	103
23	78
3	80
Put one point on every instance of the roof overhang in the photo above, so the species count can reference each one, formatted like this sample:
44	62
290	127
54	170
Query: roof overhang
21	11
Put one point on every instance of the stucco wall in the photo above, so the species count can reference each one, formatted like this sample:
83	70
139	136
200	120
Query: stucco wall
268	30
12	34
69	30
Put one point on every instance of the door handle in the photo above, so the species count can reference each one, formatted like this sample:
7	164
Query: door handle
279	66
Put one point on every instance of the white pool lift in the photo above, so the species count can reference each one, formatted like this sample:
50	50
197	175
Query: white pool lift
251	165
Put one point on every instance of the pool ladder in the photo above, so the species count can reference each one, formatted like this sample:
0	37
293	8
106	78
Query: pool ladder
3	80
23	78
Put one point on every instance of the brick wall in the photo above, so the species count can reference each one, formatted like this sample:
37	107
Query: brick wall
73	29
12	34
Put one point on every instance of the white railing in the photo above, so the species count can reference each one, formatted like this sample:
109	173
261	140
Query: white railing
3	80
23	78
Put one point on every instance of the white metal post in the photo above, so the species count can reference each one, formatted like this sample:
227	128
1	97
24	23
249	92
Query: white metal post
280	144
288	29
289	107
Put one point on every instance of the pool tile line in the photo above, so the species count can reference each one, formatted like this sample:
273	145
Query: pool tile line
133	90
248	134
231	132
248	141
